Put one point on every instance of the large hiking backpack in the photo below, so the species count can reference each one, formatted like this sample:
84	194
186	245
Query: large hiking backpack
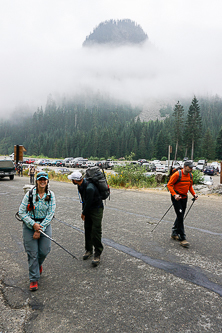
98	178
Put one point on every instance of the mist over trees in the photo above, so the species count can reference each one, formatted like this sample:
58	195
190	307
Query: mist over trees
103	127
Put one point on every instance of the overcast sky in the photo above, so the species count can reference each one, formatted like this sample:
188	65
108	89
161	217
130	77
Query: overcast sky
41	50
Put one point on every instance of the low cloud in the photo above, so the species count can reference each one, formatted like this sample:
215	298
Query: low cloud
135	74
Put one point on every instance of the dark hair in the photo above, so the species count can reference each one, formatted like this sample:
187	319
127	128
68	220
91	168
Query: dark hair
47	198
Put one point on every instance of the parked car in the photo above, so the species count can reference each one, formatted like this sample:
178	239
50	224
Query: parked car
207	180
67	160
74	161
109	164
209	170
84	164
63	171
99	164
7	169
72	164
160	168
53	162
47	162
146	165
90	164
201	164
174	164
142	160
216	166
37	161
81	163
28	161
156	162
60	163
42	162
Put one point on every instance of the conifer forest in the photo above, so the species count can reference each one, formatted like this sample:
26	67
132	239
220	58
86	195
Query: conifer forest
103	127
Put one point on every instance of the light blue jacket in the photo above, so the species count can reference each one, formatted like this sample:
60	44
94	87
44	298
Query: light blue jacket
43	210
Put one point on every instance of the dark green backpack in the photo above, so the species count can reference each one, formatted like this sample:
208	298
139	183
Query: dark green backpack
98	178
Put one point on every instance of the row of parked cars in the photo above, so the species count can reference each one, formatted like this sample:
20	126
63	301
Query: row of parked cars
201	165
70	162
80	162
156	165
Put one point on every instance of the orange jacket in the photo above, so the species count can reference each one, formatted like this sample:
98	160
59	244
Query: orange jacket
183	186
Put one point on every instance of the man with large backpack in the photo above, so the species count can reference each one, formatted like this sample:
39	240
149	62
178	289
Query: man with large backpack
92	213
179	184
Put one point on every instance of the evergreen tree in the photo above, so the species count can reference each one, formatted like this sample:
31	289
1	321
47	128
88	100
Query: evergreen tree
208	147
178	114
193	125
219	146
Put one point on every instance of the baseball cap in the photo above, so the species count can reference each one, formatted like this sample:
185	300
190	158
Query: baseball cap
76	175
42	175
189	164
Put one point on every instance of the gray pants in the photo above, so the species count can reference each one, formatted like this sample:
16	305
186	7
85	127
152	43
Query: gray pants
36	249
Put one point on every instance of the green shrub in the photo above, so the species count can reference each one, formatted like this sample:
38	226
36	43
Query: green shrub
130	176
197	177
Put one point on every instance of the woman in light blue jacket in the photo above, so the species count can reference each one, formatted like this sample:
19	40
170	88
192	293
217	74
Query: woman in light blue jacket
37	210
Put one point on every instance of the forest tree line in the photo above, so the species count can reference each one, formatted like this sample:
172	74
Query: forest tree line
103	127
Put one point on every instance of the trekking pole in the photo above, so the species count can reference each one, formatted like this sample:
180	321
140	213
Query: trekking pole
190	208
161	218
44	234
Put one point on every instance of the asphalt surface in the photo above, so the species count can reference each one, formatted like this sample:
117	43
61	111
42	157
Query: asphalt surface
146	281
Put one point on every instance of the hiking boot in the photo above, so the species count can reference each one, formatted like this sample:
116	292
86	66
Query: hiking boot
96	260
184	243
40	269
87	255
33	285
175	237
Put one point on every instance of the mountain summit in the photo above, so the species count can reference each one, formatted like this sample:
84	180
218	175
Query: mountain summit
120	32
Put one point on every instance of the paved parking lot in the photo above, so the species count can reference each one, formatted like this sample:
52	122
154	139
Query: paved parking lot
146	282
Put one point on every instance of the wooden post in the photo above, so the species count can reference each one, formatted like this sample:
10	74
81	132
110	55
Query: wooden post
18	153
220	172
169	151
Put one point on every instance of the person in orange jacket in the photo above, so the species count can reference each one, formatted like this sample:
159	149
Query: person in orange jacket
179	184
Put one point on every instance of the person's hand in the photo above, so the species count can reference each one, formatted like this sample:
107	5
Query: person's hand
177	197
37	227
83	217
195	197
36	235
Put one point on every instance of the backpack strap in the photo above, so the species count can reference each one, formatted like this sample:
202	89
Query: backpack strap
31	206
31	199
179	178
191	176
180	175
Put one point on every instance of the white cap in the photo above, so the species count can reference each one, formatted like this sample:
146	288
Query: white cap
76	175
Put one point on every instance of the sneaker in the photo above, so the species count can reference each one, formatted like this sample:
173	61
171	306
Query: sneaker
96	261
184	243
40	269
33	285
176	237
87	255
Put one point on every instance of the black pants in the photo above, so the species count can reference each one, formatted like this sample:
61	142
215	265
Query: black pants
93	231
32	176
180	208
